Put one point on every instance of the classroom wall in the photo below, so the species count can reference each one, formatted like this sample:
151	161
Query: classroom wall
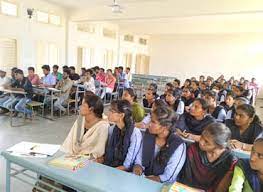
187	55
29	33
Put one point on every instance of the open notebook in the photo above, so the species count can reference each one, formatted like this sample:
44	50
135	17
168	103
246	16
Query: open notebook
33	149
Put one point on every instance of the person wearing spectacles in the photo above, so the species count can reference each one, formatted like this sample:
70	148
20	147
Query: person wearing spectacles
248	173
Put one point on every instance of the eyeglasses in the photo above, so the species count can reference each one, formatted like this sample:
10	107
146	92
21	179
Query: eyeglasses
259	155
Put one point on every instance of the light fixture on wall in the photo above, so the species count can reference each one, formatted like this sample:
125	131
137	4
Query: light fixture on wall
30	12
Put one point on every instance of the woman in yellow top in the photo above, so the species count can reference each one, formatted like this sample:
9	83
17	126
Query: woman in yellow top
248	174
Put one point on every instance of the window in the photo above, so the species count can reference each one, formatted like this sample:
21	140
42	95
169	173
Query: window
8	8
128	38
108	59
84	27
54	19
143	41
8	54
42	17
109	33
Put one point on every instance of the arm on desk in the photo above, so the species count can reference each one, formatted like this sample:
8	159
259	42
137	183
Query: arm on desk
154	178
235	144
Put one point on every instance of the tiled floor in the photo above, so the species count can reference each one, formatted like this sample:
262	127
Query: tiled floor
43	131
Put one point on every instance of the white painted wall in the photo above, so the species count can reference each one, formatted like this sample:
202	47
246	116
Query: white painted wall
29	32
188	55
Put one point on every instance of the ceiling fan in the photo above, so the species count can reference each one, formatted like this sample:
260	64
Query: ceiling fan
115	7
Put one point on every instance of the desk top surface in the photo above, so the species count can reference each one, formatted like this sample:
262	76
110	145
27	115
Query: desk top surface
93	177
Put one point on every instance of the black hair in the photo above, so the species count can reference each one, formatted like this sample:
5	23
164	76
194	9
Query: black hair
66	71
220	133
55	66
102	69
231	94
128	68
250	111
188	80
65	67
196	82
46	67
203	103
165	117
159	103
177	81
154	85
19	71
123	106
96	103
175	92
83	68
170	85
132	93
120	67
14	69
89	71
109	70
72	68
31	69
96	68
211	94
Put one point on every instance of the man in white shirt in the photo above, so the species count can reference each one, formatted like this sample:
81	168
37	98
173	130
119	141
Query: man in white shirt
4	81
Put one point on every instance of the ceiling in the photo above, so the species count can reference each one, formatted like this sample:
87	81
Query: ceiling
172	16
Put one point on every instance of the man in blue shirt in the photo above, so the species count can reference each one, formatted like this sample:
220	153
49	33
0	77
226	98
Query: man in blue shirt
48	80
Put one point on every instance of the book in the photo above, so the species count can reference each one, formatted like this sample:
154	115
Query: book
178	187
70	162
30	149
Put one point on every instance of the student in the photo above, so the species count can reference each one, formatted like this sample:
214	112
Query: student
89	83
101	76
209	163
73	75
245	127
217	111
154	87
124	139
173	99
138	112
144	124
64	86
248	174
195	89
123	78
238	101
209	84
228	104
187	83
222	93
129	75
57	74
163	153
108	86
201	79
255	90
48	80
32	77
150	97
89	133
167	87
187	98
191	125
176	84
4	80
83	71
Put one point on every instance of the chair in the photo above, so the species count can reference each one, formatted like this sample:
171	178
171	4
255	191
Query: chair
34	104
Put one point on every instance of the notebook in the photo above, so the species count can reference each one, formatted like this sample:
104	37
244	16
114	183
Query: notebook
178	187
71	162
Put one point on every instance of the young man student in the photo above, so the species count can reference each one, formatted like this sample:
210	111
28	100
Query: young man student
57	74
32	76
48	80
65	86
4	80
73	75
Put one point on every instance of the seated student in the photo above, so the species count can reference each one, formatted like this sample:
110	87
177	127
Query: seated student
163	153
248	174
89	83
173	99
32	77
144	124
48	80
124	139
101	76
228	104
221	96
195	89
187	84
167	87
83	71
238	101
89	133
138	112
64	86
248	92
73	75
57	74
150	97
154	87
245	127
177	84
123	78
209	83
187	98
209	164
217	111
108	86
201	79
191	125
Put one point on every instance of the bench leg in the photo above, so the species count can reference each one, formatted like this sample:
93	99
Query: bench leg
8	177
